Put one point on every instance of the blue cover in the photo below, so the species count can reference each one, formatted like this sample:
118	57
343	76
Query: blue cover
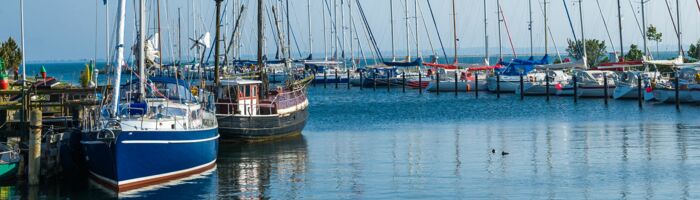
417	62
515	66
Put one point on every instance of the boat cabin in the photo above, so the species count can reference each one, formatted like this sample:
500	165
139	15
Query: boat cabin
239	97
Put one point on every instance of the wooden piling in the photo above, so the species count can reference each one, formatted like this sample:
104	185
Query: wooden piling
325	78
437	81
678	86
362	81
34	146
374	80
420	83
546	80
336	79
476	84
498	86
403	85
522	87
605	89
274	77
388	82
456	82
575	89
640	97
348	76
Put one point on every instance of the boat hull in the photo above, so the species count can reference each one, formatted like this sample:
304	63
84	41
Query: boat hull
594	91
626	92
136	159
534	90
238	128
669	96
506	85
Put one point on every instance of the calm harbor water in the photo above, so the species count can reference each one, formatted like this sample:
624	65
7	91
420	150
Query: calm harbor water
387	145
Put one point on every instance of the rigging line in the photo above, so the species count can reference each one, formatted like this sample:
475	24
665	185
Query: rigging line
337	39
697	2
369	30
432	15
510	39
293	36
639	26
430	40
607	31
274	33
678	35
571	24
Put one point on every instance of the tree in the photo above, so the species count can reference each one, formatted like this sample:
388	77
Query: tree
693	50
10	53
595	51
634	54
653	35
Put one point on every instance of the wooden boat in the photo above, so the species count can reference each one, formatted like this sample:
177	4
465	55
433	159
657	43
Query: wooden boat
9	161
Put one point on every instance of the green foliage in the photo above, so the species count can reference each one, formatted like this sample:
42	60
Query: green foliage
634	54
693	50
11	54
595	51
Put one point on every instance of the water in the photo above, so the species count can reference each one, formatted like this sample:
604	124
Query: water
388	145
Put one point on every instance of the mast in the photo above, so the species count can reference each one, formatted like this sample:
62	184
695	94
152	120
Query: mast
391	14
160	49
325	41
24	61
179	37
486	34
120	56
415	10
217	42
311	36
342	30
352	38
619	23
500	42
644	29
583	37
546	25
261	30
454	29
142	49
408	36
108	56
289	35
529	27
680	33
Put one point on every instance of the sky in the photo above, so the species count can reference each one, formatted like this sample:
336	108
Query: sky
75	29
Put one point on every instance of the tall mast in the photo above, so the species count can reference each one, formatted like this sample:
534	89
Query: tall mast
680	33
289	28
644	29
415	10
325	41
24	56
108	57
342	30
391	15
352	39
583	37
179	37
619	23
454	29
546	25
408	28
500	42
311	36
529	27
217	42
142	49
160	42
486	34
261	30
120	56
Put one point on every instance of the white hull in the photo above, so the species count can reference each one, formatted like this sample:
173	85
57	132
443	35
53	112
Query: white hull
595	92
506	85
669	96
626	92
449	86
537	89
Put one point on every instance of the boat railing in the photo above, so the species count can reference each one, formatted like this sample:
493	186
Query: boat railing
282	100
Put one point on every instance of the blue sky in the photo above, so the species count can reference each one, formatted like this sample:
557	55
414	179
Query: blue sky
75	29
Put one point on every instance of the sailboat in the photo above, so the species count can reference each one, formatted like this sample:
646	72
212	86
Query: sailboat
248	112
153	131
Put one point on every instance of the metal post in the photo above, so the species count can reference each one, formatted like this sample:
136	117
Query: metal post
362	81
388	82
420	82
35	147
274	77
348	77
437	81
374	80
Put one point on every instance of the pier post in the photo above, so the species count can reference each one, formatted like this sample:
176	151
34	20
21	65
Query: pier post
388	82
362	81
274	77
336	79
314	80
348	77
374	80
34	146
575	89
546	80
476	84
498	85
325	78
437	81
678	86
456	80
640	97
605	89
522	87
420	82
403	86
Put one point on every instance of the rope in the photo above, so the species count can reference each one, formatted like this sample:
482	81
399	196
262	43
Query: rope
510	39
571	24
432	15
607	31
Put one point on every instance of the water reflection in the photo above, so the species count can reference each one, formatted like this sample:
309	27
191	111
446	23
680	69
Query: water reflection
250	171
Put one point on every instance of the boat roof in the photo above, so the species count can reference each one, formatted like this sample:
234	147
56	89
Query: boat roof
239	82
